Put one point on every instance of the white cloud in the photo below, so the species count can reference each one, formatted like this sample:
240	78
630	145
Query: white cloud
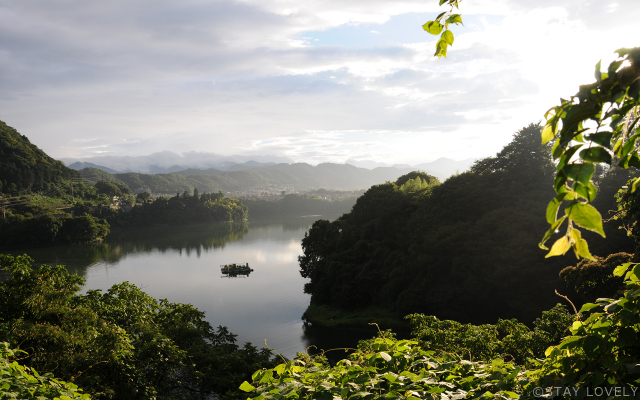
345	80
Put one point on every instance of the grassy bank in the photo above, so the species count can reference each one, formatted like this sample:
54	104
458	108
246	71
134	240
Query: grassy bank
330	317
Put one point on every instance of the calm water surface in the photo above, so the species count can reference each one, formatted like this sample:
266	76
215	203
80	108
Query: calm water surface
182	264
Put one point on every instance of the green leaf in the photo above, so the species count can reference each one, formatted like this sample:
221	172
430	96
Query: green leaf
560	247
598	74
442	2
441	49
621	269
433	27
596	155
566	157
386	356
586	216
454	19
447	36
513	373
580	246
635	185
587	307
587	191
246	386
601	138
559	184
552	208
440	16
548	133
551	231
580	172
549	350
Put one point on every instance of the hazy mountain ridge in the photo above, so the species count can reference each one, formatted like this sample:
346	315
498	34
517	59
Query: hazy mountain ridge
299	176
168	162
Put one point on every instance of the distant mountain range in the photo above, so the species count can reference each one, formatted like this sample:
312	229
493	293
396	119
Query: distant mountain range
166	162
209	164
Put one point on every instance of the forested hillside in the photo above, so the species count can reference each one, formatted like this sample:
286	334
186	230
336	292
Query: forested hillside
464	250
25	167
301	176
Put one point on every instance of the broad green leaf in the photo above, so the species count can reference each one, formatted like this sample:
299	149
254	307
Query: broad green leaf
551	231
513	373
587	191
617	148
386	356
560	247
454	19
552	208
596	155
557	150
601	138
548	133
635	185
447	36
440	16
559	183
587	307
433	27
441	49
580	246
566	157
580	172
442	2
621	269
511	395
246	387
628	146
598	74
586	216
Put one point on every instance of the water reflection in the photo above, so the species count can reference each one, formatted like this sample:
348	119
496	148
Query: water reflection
182	264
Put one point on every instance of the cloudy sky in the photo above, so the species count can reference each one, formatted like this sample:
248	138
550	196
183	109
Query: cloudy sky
313	81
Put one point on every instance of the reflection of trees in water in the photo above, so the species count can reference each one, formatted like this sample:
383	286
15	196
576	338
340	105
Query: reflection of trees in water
120	243
187	239
76	258
291	223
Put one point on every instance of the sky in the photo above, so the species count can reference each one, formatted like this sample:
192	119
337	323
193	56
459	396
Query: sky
308	81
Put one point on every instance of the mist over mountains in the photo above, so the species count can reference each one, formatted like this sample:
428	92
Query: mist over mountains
196	163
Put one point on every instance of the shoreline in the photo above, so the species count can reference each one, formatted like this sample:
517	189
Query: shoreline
330	317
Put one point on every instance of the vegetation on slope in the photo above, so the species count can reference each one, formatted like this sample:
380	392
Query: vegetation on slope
465	250
121	343
25	167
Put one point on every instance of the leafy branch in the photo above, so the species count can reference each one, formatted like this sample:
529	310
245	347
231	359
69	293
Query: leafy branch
441	27
595	126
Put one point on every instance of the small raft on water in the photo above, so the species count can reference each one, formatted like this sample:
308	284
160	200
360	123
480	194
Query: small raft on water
236	269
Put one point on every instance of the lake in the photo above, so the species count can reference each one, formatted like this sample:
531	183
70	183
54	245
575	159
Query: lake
182	264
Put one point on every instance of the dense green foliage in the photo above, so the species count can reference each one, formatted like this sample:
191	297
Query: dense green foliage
598	359
293	205
180	209
119	344
20	382
464	250
594	279
598	125
508	339
387	369
25	167
47	229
